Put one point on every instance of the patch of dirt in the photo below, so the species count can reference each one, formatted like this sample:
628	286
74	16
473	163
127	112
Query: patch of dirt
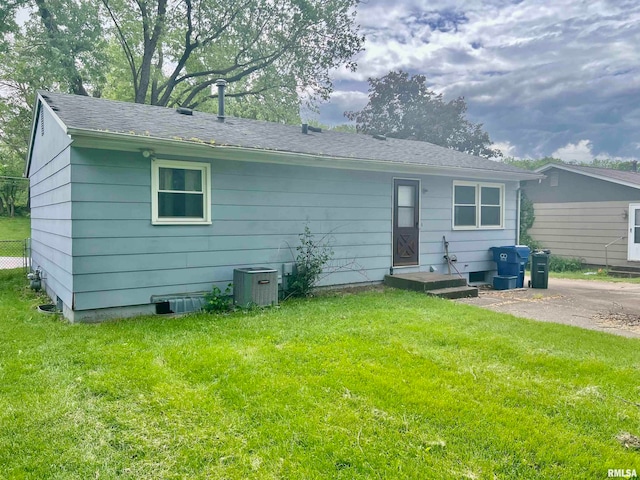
349	290
628	321
628	441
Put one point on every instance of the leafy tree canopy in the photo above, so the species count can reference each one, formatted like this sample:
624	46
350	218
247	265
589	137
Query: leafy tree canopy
401	106
171	52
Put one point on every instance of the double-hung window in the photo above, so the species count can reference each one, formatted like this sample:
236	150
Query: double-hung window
180	192
478	205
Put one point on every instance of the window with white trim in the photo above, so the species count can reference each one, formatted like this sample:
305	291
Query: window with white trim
478	205
180	192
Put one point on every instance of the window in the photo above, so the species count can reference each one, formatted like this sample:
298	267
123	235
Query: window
180	193
478	205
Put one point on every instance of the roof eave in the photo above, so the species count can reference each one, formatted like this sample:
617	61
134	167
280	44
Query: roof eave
181	147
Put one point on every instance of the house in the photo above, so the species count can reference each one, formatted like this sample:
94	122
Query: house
134	203
587	212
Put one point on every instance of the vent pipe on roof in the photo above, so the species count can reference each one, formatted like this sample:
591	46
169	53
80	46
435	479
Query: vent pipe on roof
221	84
305	128
634	166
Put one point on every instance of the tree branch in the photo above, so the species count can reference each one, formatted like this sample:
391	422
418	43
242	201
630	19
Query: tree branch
125	46
245	93
189	47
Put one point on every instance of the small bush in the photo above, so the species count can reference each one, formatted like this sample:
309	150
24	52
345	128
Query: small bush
561	264
311	258
218	301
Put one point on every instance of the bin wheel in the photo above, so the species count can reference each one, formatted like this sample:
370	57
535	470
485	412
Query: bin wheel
529	283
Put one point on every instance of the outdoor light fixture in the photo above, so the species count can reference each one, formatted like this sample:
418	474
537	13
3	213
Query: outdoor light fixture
147	153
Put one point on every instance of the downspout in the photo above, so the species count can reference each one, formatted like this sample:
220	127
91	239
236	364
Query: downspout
518	200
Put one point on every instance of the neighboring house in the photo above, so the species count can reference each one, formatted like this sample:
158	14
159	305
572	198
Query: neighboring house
133	203
579	210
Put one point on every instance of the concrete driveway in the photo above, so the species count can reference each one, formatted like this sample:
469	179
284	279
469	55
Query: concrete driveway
596	305
11	262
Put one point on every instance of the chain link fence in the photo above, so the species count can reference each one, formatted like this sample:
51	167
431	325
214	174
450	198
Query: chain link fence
15	254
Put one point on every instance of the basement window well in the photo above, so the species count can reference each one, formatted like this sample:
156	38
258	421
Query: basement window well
180	192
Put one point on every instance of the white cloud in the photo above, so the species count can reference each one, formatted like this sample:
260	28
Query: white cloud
507	149
575	152
582	152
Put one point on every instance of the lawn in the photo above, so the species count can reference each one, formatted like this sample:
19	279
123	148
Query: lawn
12	229
17	228
593	274
381	384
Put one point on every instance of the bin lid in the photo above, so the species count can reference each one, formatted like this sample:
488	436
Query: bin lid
522	250
256	270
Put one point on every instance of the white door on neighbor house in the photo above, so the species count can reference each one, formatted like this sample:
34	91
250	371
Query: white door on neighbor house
634	232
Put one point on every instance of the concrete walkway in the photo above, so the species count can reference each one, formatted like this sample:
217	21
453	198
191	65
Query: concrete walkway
11	262
596	305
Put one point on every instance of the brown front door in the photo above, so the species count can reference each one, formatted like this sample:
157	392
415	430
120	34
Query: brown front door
406	222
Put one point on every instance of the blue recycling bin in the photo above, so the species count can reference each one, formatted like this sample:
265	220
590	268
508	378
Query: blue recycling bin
511	261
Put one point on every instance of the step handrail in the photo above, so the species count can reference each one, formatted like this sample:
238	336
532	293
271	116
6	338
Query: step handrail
606	253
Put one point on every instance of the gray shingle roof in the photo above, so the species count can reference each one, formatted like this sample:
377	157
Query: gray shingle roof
616	176
90	113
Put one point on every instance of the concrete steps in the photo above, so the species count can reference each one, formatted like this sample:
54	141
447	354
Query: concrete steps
434	284
624	273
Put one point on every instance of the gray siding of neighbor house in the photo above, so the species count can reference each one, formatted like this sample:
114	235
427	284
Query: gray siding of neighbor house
258	210
573	187
582	229
50	186
581	215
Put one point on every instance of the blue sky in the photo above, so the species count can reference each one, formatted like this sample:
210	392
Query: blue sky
557	78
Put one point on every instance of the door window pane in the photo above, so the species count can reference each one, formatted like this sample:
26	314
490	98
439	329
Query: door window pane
406	217
637	216
406	195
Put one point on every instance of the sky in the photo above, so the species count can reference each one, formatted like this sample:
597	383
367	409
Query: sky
554	78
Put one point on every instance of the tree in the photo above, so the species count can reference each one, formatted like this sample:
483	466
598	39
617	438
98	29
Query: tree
401	106
175	51
531	163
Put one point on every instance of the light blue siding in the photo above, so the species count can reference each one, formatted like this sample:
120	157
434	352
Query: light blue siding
258	210
50	187
471	247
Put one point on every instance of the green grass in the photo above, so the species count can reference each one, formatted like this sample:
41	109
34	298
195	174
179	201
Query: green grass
588	275
17	228
375	385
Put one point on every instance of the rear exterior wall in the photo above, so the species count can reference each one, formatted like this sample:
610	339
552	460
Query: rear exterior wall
258	211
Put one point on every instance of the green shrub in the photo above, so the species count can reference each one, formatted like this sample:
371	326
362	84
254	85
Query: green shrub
527	218
311	258
561	264
218	301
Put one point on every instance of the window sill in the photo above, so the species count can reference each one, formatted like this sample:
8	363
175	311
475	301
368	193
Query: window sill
477	228
183	222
